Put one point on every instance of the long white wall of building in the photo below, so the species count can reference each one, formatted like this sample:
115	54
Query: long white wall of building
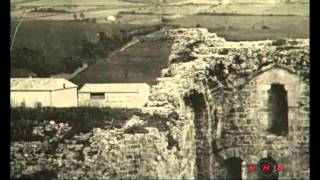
30	98
58	98
116	100
65	98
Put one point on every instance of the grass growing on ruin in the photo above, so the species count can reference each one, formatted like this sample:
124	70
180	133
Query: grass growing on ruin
81	119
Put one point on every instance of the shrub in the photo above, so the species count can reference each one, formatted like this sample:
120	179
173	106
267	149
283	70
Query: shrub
224	51
43	174
49	10
279	42
265	27
26	121
185	54
172	142
81	119
72	63
136	129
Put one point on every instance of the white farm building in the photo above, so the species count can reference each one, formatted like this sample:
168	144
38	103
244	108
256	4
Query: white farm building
117	95
111	19
45	92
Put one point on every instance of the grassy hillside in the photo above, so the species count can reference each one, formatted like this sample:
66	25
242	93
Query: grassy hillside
54	42
48	44
141	62
61	37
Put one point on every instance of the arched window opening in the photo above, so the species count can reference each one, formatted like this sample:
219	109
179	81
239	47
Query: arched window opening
278	109
233	168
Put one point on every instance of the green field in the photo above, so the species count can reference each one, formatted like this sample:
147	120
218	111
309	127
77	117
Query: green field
64	2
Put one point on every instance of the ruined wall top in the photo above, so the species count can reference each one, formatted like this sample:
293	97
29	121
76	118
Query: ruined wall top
204	62
237	58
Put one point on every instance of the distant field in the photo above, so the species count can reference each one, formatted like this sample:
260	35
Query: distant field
261	9
99	10
154	1
172	9
89	11
98	14
140	63
20	1
64	2
249	27
139	19
208	2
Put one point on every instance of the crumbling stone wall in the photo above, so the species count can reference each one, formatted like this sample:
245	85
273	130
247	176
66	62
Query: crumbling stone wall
245	132
234	78
133	155
212	96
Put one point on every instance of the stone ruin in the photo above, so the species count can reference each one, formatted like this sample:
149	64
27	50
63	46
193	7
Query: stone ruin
226	105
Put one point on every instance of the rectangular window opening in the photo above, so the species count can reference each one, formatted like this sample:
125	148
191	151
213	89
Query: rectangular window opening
97	96
278	109
23	104
38	105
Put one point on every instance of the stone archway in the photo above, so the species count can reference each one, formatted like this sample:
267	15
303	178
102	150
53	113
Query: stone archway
201	120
